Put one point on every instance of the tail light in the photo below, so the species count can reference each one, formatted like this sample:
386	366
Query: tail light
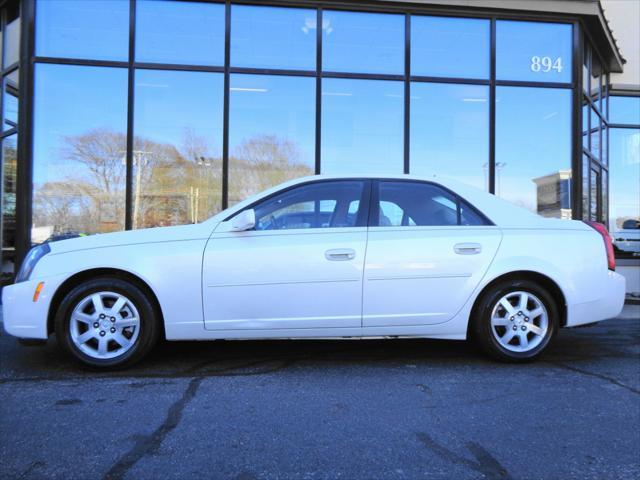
608	245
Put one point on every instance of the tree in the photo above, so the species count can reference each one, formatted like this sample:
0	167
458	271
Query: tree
261	162
172	184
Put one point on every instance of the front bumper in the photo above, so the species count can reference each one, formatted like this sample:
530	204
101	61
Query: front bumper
22	317
608	305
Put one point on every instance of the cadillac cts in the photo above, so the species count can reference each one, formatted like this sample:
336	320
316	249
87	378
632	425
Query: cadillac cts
324	257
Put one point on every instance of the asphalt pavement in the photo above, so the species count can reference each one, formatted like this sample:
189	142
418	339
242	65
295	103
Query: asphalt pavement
362	409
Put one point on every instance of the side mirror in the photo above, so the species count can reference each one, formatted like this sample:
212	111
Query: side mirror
244	221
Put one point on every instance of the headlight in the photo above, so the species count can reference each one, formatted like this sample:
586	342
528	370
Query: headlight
30	261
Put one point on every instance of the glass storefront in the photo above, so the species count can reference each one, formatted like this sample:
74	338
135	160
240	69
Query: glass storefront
533	51
595	136
624	110
357	42
462	50
197	32
79	150
624	180
362	126
533	151
96	30
450	131
360	96
9	102
271	132
177	152
201	104
267	37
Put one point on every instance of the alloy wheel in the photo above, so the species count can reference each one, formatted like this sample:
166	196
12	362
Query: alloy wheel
104	325
519	321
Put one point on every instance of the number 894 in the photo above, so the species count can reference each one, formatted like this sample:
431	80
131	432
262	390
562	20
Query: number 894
546	64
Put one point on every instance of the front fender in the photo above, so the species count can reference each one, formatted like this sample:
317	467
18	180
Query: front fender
172	270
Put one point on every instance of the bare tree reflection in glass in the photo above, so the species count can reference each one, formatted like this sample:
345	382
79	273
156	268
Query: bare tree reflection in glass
175	185
79	144
263	161
177	154
9	177
91	198
271	132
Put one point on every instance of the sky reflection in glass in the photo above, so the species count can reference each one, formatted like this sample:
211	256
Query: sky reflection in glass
79	149
533	51
362	126
271	132
450	47
624	110
71	101
175	108
270	37
177	157
96	29
197	32
624	144
362	42
450	131
533	140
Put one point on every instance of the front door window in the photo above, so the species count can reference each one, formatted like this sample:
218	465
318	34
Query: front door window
334	204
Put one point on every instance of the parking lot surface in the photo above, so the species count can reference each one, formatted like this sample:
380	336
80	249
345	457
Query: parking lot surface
363	409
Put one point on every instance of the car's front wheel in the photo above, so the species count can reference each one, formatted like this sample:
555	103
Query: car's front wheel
107	322
515	321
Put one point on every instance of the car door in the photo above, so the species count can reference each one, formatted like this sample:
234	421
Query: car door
300	267
427	250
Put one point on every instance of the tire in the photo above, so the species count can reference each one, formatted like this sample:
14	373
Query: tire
107	336
507	331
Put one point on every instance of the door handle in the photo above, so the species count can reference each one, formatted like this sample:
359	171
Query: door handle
467	248
340	254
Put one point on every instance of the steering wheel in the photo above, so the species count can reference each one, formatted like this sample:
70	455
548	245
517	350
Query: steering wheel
273	222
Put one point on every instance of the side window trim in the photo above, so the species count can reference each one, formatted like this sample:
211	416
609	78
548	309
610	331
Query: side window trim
374	208
374	204
365	204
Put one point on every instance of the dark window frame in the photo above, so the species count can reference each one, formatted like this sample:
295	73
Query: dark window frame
600	106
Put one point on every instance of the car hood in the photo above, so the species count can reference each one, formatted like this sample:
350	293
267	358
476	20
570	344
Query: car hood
133	237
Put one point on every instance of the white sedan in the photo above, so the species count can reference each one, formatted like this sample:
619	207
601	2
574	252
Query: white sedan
324	257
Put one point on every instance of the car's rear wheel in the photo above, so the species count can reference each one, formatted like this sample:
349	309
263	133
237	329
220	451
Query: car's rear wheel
515	321
107	323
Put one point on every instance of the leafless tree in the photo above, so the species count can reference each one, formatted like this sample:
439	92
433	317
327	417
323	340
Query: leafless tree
172	184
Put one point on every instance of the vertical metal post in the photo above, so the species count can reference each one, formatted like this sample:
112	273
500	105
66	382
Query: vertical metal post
492	110
128	202
25	132
225	118
318	151
407	92
576	125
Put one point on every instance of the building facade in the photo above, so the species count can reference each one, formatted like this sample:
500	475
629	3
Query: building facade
126	114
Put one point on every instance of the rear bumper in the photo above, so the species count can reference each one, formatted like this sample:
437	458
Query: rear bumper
608	305
22	317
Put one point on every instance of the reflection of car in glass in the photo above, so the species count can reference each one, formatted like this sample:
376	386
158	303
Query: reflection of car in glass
56	237
626	240
324	257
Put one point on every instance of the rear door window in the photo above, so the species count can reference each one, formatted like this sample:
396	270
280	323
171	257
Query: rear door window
403	203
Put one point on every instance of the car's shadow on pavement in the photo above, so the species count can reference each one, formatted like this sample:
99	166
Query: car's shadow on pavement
230	358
